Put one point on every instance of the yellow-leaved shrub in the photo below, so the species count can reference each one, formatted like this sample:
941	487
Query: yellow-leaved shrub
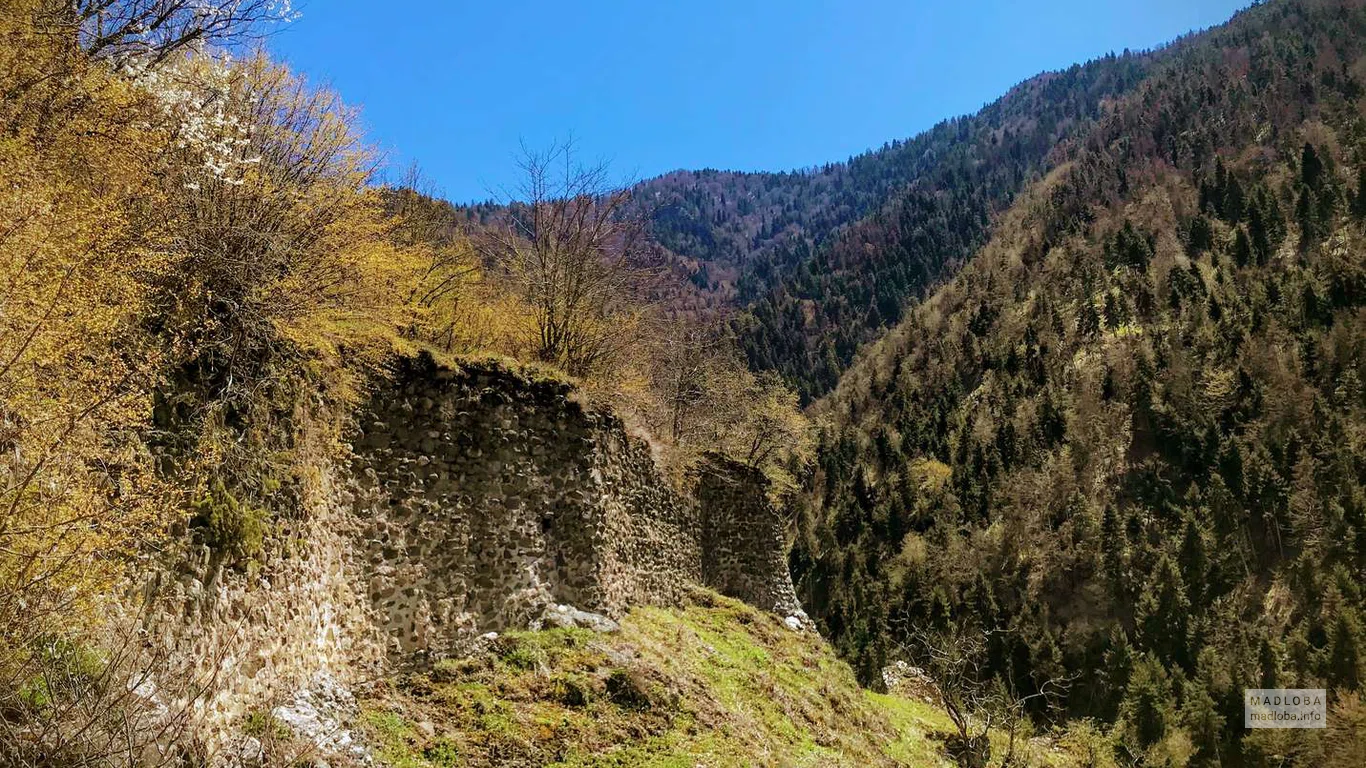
81	244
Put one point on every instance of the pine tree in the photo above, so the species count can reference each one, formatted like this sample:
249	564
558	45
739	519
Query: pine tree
1201	236
1117	666
1129	248
1311	167
1200	715
1345	651
1194	558
1268	664
1216	192
1112	547
1088	320
1234	206
1164	613
1259	237
1359	200
1210	706
1242	249
1148	709
1309	215
1114	312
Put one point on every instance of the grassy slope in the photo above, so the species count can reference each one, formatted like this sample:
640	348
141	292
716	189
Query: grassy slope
712	683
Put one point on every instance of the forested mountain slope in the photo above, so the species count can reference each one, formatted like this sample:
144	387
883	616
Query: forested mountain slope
824	259
811	303
1127	439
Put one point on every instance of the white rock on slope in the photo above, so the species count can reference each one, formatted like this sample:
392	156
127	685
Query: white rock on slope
565	616
319	713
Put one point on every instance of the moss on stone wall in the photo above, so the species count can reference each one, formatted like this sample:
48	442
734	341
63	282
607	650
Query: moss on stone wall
232	530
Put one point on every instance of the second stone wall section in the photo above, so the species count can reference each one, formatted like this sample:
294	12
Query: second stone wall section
744	549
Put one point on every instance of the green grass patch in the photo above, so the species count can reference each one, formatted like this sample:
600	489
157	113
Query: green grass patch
713	682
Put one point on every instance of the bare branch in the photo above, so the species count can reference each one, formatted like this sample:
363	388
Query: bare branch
577	256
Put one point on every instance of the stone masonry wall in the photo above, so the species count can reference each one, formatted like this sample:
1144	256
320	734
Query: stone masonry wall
247	639
482	497
744	551
471	501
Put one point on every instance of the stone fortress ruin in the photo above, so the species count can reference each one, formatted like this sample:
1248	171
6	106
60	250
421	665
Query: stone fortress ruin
470	501
483	497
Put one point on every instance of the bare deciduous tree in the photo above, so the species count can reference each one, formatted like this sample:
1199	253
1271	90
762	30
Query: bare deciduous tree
123	699
703	397
688	365
578	256
154	30
422	220
977	702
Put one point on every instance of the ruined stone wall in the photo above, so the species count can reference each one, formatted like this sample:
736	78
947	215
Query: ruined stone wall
469	501
744	550
652	549
483	496
245	639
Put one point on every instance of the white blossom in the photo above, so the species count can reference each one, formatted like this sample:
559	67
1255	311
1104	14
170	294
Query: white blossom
201	93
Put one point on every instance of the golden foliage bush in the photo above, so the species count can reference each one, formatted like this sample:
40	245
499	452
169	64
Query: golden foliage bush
82	243
194	266
75	361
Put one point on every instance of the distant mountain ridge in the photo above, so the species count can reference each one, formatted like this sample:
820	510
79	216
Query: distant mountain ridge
821	261
814	263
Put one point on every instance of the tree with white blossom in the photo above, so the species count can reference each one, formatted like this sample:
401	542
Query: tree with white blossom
203	96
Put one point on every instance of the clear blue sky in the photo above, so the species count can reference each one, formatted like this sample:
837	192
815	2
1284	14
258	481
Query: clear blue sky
653	85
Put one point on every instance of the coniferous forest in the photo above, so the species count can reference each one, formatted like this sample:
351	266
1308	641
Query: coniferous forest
1125	440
